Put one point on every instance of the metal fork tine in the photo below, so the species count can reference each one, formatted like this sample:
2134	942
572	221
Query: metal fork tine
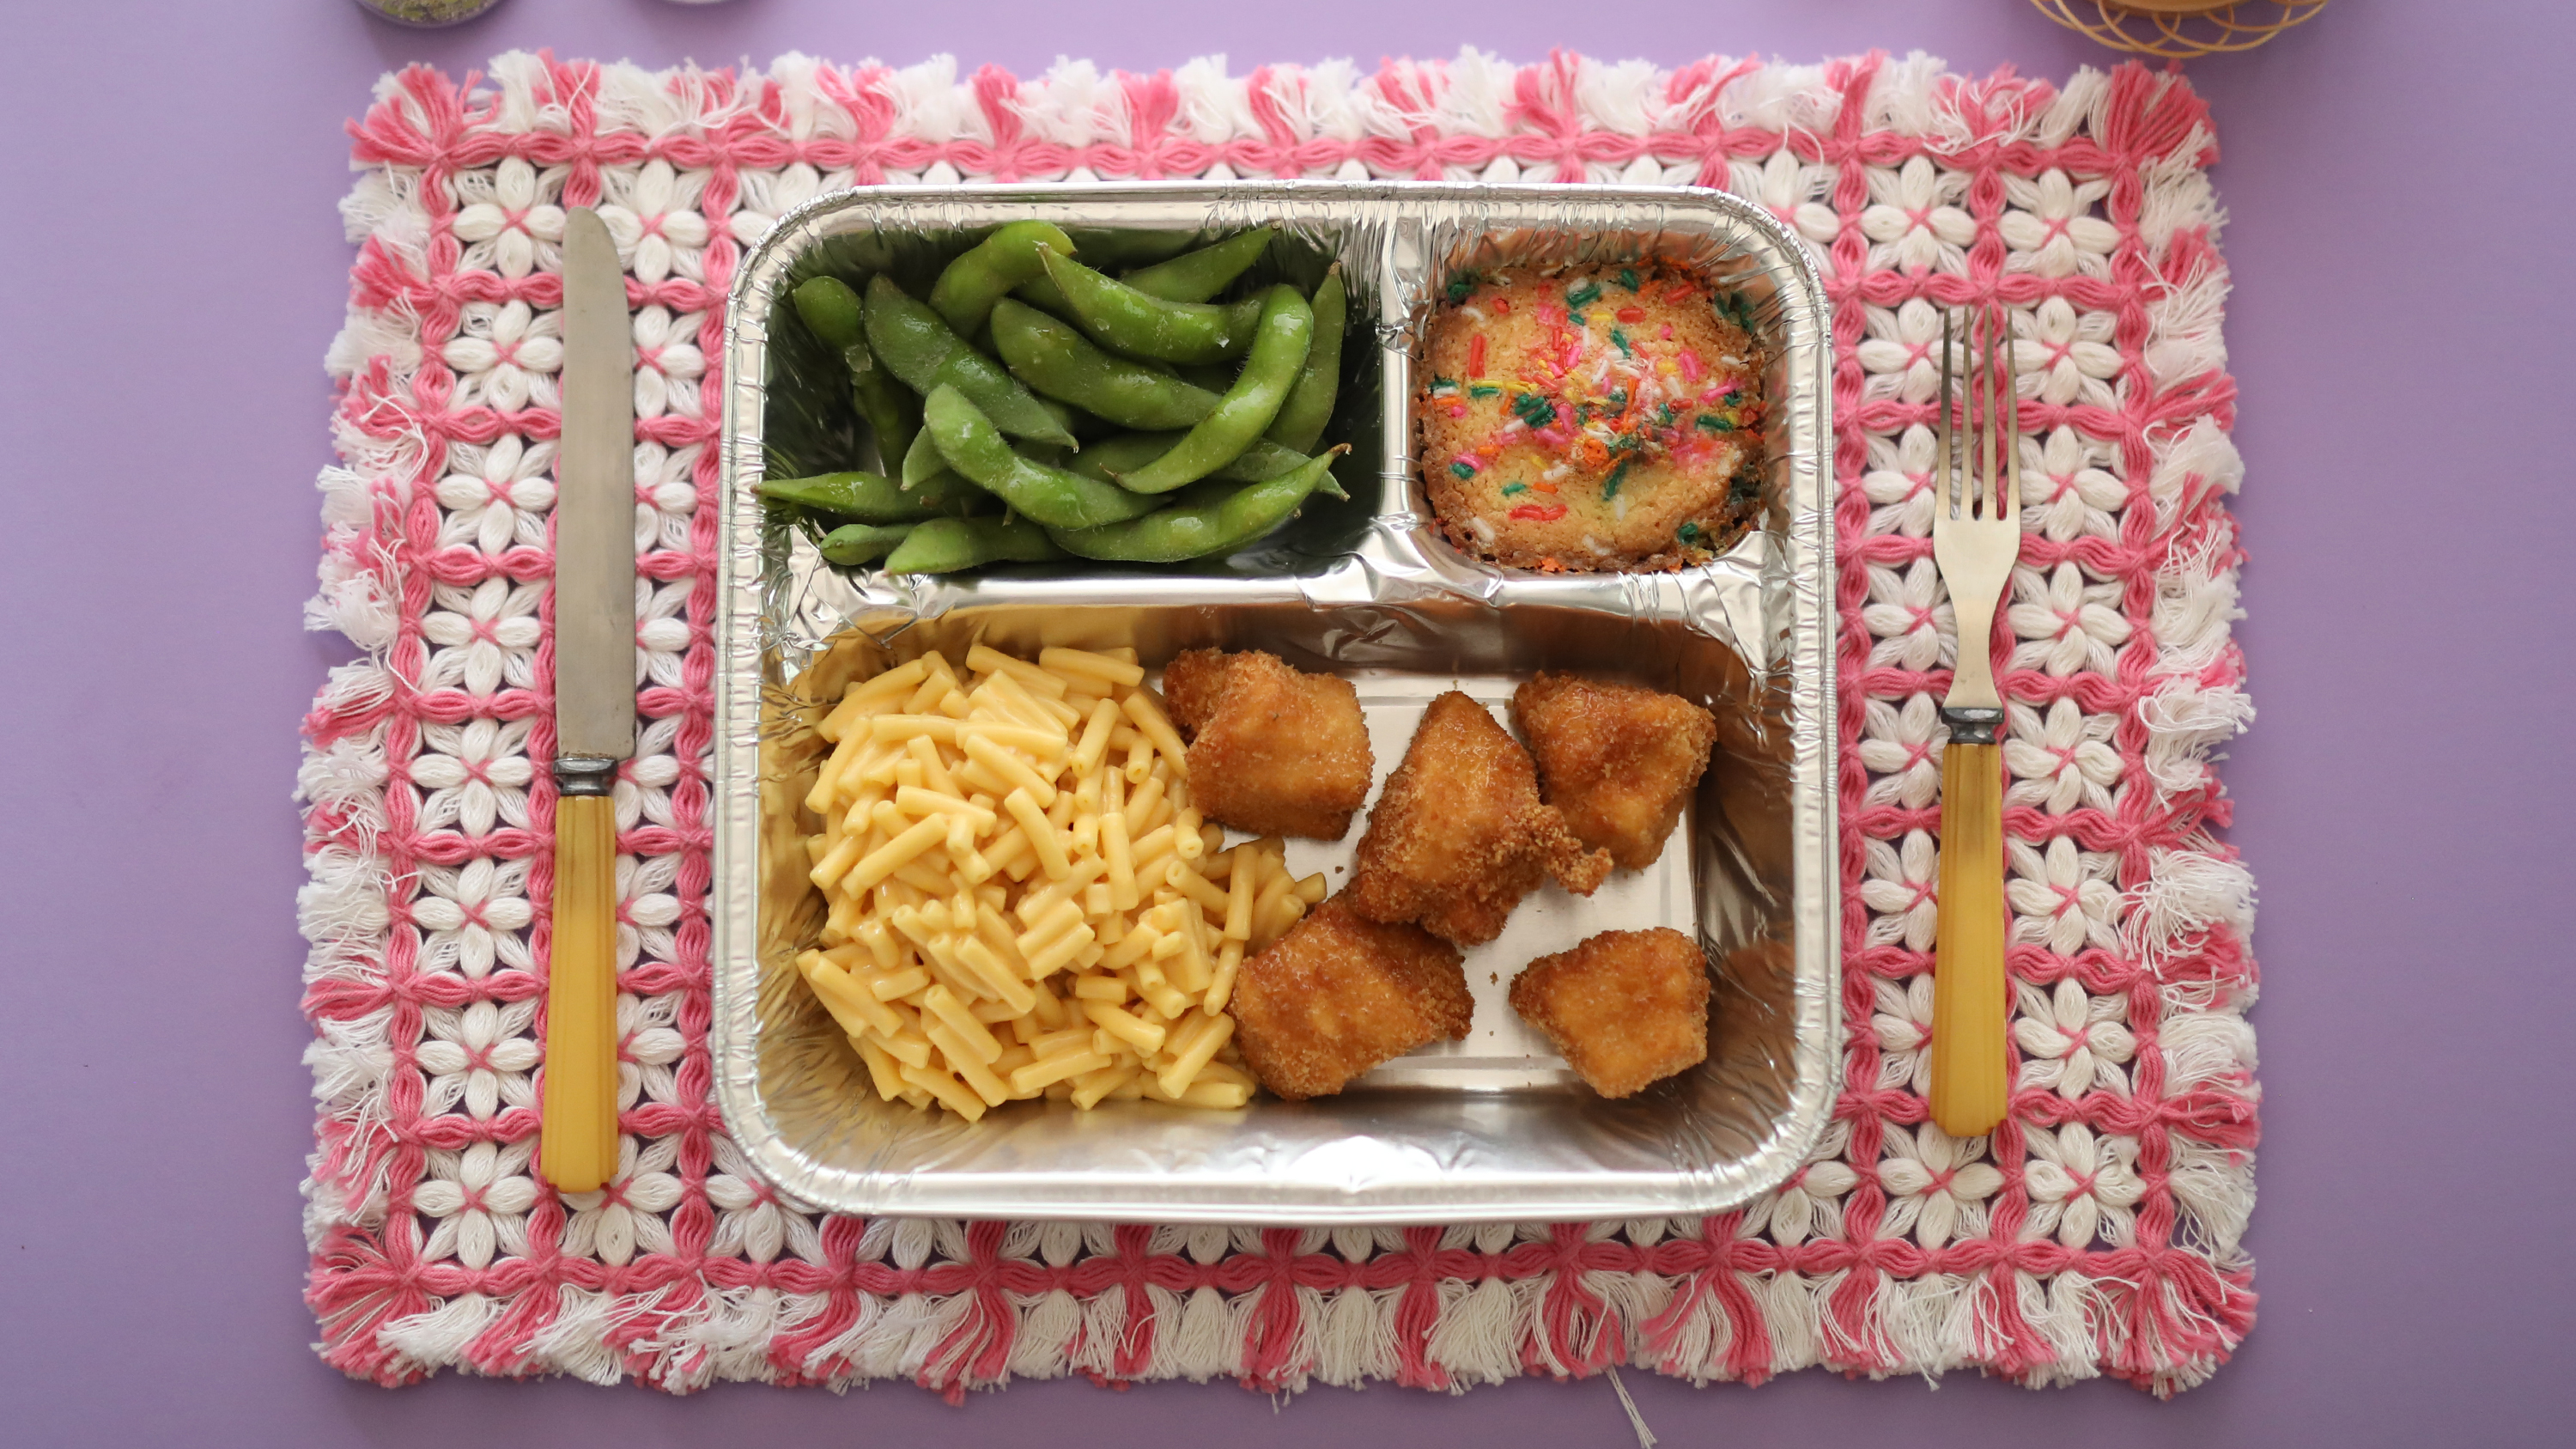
2012	418
1941	464
1981	462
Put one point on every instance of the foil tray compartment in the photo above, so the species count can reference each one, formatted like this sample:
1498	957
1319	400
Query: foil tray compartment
1493	1128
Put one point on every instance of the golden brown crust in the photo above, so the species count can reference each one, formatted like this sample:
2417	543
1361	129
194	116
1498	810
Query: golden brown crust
1627	1008
1460	835
1339	994
1617	760
1589	419
1273	750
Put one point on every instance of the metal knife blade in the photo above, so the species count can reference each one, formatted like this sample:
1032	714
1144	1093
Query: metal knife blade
594	592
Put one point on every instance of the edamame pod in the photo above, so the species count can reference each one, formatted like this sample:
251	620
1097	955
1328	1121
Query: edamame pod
853	544
1123	319
832	311
1053	357
869	497
921	462
1111	457
1279	347
1310	404
1128	247
1199	275
969	286
917	345
946	545
1210	519
1051	495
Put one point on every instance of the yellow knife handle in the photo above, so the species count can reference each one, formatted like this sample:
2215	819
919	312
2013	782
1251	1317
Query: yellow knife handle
578	1151
1968	1014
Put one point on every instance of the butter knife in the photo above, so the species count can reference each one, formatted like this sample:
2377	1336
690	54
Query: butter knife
594	684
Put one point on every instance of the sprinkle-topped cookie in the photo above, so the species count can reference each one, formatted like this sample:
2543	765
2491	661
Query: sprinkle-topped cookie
1590	419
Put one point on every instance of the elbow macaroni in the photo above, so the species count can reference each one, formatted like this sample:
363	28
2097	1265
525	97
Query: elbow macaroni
1017	898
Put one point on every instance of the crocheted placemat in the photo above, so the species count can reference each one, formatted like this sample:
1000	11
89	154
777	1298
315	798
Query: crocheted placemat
2096	1232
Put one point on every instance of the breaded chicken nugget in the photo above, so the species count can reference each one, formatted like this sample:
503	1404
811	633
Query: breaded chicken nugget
1616	760
1626	1007
1273	750
1339	994
1460	835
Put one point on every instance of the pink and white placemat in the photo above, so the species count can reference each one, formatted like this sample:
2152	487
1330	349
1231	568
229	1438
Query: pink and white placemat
2096	1232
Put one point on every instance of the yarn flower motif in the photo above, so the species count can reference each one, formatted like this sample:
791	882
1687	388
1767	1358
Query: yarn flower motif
2065	492
1909	616
666	495
498	495
646	1048
661	631
480	1056
486	636
643	789
2050	226
508	224
625	1217
1789	189
1809	1204
2071	1039
481	1198
750	1218
1899	482
2065	624
651	213
1902	353
1901	748
506	355
2062	897
768	195
2060	760
1900	891
2081	1186
668	363
1911	222
476	774
646	909
1936	1187
1903	1026
2070	352
473	914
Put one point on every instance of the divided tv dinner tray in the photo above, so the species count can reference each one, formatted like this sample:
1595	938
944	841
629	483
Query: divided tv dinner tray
1490	1128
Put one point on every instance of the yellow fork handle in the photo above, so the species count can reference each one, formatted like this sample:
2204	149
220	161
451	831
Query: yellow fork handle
1968	1015
578	1148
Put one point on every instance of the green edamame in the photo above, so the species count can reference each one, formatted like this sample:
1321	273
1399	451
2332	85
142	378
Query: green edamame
1111	457
1051	495
921	461
969	286
1126	247
946	545
853	544
869	497
917	345
1055	359
1279	347
1123	319
1199	275
1210	519
833	312
1310	403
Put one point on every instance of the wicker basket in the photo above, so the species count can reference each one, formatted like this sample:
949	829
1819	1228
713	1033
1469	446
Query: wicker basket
2180	28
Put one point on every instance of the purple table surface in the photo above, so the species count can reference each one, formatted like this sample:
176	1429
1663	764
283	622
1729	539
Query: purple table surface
176	268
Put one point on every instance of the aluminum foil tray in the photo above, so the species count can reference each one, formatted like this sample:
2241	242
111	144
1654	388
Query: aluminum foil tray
1491	1128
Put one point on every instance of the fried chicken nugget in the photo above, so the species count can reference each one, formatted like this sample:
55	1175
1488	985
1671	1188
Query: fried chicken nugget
1460	835
1339	994
1617	760
1625	1007
1273	750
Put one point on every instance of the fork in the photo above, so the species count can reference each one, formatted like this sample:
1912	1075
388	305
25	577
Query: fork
1976	535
